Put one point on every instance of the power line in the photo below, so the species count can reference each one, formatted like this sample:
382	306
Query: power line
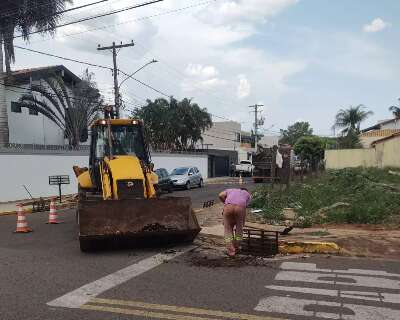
64	58
94	65
98	66
92	17
15	12
109	68
145	84
207	135
128	21
30	91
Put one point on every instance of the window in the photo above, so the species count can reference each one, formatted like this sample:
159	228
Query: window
196	170
16	107
33	112
191	171
124	139
179	171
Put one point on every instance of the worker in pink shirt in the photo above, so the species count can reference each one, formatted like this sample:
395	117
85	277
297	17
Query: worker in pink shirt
234	214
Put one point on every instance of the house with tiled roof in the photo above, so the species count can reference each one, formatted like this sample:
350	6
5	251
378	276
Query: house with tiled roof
27	126
381	130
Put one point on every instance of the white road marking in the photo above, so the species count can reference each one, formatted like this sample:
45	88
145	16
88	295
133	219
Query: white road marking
82	295
335	279
359	295
285	305
298	266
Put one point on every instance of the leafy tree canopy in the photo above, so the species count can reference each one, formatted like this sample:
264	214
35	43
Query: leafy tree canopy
349	141
295	132
309	148
172	124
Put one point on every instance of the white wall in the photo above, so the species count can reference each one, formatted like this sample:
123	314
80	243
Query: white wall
33	171
172	161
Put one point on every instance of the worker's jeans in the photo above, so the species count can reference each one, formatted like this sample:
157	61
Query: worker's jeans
234	217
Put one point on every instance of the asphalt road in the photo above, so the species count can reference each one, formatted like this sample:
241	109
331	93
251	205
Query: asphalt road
43	275
210	191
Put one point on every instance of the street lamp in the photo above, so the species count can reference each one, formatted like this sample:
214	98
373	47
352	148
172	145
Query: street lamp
142	67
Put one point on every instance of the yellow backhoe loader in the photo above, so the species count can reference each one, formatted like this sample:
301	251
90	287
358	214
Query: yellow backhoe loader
117	200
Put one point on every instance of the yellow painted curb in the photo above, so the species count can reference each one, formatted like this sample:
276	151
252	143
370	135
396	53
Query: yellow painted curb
296	247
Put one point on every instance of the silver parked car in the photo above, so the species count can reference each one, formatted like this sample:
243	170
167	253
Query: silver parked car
186	177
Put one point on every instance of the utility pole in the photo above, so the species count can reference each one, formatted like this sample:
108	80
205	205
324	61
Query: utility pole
114	48
256	121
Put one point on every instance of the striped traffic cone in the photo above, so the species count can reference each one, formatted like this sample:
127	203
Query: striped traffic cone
52	213
22	224
240	179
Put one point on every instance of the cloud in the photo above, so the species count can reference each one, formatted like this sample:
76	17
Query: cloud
244	87
200	51
232	11
376	25
199	70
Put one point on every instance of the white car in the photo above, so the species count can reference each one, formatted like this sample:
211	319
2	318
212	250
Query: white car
245	167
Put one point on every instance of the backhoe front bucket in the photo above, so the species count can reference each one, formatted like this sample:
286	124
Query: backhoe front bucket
136	222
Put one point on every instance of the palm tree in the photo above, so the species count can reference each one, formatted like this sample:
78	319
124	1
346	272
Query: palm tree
72	114
350	119
395	111
23	16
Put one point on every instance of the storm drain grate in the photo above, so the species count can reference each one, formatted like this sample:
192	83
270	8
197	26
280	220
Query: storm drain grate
261	243
208	204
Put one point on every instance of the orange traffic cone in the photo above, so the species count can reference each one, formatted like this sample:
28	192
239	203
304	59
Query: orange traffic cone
53	213
240	179
22	224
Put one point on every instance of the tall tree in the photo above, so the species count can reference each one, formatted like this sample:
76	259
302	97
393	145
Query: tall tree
22	16
295	132
72	113
173	125
351	118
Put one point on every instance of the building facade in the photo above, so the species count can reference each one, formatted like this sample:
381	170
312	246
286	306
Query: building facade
382	129
27	126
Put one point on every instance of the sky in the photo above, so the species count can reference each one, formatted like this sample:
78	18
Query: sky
302	59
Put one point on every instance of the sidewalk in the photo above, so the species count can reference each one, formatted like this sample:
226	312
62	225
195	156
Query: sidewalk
9	208
223	180
348	240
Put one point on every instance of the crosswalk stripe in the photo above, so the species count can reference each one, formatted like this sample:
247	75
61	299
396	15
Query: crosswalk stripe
82	295
188	310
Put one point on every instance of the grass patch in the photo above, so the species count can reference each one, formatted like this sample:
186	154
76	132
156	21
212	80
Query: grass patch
373	196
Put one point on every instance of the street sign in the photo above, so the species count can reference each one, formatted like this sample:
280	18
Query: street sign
59	180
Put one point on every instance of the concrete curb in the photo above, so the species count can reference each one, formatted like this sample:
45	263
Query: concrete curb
297	247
